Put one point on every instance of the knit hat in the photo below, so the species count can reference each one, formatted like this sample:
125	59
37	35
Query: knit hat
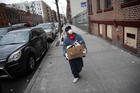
67	28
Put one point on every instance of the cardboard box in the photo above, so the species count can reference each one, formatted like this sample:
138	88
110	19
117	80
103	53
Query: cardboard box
75	52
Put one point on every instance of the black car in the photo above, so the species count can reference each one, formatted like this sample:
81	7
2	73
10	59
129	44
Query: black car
4	30
20	50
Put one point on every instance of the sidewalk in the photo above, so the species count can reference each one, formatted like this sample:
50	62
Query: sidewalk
107	69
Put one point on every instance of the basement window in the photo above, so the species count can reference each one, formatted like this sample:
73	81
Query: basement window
129	3
126	1
132	36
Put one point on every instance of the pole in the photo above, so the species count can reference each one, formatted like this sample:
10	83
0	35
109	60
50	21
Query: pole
57	6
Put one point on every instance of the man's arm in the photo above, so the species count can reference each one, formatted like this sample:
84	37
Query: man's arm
81	41
64	46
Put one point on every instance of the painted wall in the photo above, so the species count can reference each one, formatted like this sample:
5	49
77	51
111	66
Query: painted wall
130	41
76	7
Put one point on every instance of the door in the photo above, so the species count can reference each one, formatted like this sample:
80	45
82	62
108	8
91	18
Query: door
36	43
130	36
109	31
43	37
101	29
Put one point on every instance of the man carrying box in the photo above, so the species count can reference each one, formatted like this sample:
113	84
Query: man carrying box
74	48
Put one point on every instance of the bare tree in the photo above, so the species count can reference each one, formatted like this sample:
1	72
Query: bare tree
60	26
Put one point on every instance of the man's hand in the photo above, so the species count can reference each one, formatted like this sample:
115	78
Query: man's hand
66	55
85	51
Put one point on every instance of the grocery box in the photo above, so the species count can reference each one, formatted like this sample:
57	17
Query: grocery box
75	52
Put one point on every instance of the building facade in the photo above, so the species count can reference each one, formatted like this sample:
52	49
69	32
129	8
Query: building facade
10	16
117	21
45	12
81	18
77	11
35	7
54	16
3	19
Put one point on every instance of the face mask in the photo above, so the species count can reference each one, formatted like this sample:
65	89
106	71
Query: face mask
70	32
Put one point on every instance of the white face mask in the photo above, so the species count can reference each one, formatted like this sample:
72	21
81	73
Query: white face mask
70	31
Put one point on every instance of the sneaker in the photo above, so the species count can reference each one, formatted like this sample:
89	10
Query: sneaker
75	80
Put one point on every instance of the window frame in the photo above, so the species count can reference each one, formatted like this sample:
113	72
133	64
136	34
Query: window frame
106	3
90	7
108	8
130	3
99	3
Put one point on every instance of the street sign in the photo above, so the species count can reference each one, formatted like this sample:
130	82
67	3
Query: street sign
83	4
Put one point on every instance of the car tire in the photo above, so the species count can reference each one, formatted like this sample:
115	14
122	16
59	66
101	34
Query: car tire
31	63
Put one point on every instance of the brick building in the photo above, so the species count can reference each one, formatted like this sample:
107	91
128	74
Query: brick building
15	16
117	21
54	16
3	19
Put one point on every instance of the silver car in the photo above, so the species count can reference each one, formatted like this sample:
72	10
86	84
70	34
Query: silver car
49	29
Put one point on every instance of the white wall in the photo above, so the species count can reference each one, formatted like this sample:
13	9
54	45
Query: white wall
129	41
76	7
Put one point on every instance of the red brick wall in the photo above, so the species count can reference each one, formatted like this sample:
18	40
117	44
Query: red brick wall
3	19
138	42
117	34
120	15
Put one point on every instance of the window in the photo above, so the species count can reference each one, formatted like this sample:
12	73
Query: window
107	3
129	3
131	35
90	6
126	1
37	32
98	5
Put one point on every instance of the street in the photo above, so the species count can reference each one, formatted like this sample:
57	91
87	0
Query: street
100	53
107	69
18	85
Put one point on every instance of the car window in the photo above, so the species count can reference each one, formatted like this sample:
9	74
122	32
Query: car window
15	37
45	26
37	32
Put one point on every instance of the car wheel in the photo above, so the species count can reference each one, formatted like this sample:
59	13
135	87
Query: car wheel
31	64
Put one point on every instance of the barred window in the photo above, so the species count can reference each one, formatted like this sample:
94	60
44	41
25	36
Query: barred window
126	1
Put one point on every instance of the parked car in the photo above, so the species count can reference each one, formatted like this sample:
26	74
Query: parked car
20	50
56	27
19	26
4	30
49	29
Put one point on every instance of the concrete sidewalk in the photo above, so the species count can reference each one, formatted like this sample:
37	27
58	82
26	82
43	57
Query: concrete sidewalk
107	69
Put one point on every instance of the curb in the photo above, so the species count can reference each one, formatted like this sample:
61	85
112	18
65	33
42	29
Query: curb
32	81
